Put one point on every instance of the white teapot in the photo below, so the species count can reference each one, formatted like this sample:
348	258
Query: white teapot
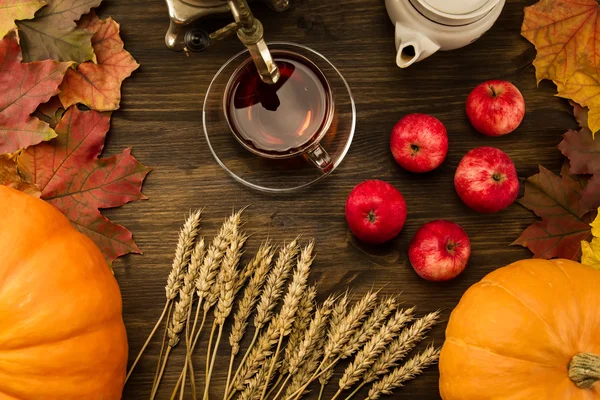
426	26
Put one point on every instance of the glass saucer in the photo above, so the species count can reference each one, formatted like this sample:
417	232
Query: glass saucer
277	175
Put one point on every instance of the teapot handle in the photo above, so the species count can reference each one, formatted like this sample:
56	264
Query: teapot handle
412	46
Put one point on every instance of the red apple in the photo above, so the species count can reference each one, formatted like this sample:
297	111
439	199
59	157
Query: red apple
486	180
419	142
495	108
375	211
439	251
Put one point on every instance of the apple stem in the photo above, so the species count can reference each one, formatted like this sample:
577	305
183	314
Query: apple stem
414	148
493	91
496	177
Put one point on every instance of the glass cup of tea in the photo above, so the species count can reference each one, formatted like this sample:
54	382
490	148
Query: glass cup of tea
283	136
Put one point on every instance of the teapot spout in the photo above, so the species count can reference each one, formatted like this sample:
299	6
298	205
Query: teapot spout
412	46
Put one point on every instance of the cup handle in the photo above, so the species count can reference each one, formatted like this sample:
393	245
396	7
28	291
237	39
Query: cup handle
320	158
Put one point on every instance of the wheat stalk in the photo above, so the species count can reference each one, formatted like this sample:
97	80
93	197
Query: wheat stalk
227	284
309	347
292	301
185	243
373	348
271	293
205	283
339	339
408	371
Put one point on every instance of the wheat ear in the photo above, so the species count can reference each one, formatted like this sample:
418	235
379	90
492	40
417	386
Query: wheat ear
310	346
271	293
206	280
398	349
183	251
339	344
372	324
408	371
262	259
227	284
338	336
292	302
373	348
301	323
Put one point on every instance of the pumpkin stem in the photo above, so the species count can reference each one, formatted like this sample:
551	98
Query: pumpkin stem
584	370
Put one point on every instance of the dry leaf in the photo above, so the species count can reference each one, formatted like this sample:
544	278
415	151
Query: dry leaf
583	152
12	10
98	86
24	87
11	178
565	34
53	33
73	178
50	112
591	250
565	220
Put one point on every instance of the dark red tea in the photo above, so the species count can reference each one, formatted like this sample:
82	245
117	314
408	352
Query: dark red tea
282	118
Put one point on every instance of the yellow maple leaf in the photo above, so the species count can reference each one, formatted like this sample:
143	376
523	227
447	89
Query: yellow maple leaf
564	33
590	251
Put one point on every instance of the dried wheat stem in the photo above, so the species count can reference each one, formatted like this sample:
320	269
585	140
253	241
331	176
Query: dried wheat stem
257	383
408	371
189	286
271	293
373	348
137	359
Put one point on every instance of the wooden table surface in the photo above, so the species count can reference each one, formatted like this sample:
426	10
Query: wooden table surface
161	118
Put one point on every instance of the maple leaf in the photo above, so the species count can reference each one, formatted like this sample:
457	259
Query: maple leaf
565	220
24	87
53	33
565	34
583	152
73	178
11	10
591	250
10	177
98	85
50	112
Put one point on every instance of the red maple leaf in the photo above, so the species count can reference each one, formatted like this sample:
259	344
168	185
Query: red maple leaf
72	177
565	219
24	87
98	85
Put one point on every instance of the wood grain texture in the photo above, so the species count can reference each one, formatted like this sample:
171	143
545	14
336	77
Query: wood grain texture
161	118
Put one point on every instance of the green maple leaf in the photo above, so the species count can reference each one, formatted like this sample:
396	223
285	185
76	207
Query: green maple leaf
53	33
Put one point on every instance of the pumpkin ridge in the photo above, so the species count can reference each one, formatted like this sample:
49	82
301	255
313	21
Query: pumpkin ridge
514	296
101	325
461	342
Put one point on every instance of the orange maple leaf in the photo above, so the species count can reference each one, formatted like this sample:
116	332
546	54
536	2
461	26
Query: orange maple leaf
98	85
564	33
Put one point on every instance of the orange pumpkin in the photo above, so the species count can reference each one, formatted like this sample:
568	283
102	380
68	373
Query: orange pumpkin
61	331
527	331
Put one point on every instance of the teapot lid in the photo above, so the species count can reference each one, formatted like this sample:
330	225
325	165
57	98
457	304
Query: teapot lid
455	12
